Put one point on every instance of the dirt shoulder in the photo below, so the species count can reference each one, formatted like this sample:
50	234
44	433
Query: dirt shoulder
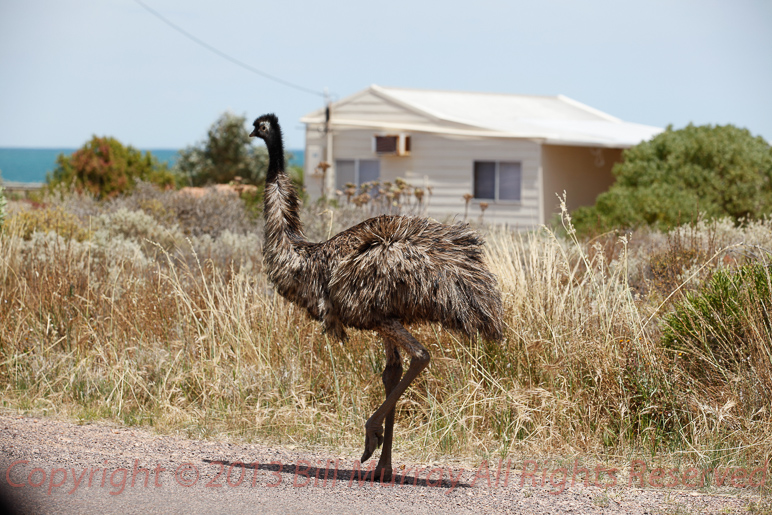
50	466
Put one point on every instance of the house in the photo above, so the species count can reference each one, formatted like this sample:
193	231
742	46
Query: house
513	152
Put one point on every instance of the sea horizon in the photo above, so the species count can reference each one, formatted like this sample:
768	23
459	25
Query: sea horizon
31	164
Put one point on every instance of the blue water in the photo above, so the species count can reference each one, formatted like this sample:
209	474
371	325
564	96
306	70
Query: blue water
32	164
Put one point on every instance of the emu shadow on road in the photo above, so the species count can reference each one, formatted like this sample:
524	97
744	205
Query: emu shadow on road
331	473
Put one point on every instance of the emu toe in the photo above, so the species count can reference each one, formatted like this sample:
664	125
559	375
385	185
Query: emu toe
373	440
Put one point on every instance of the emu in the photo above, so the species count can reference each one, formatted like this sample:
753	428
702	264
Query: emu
380	275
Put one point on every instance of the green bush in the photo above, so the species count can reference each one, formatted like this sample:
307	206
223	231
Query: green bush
49	219
726	324
681	175
105	168
226	153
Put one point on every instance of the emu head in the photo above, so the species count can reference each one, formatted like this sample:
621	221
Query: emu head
267	128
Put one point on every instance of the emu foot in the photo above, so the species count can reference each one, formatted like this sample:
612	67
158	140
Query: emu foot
373	440
382	474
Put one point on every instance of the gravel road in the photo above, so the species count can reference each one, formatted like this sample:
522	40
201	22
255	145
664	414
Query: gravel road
49	466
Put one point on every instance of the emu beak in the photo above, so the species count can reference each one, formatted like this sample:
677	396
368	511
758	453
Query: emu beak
253	134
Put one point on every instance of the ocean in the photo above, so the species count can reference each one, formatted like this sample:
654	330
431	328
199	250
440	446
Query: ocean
32	164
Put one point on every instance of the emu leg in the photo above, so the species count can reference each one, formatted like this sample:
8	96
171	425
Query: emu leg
391	375
419	359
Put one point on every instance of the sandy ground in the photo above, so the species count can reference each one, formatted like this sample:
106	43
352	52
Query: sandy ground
49	466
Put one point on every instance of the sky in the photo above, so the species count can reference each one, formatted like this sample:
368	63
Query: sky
70	69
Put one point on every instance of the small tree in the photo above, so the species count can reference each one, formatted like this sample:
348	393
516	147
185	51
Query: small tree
712	171
228	152
106	168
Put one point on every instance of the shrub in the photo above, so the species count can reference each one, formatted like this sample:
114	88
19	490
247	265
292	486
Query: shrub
725	327
226	153
686	249
105	168
681	175
230	252
209	212
98	260
49	219
139	227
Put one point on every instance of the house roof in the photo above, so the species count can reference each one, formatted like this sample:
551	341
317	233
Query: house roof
550	119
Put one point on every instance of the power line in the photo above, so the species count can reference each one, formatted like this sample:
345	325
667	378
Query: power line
224	55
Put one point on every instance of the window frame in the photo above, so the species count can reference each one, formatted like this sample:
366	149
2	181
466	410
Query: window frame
497	181
357	174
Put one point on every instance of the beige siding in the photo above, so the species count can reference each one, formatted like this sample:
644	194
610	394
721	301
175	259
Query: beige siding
369	106
353	144
446	164
314	153
582	172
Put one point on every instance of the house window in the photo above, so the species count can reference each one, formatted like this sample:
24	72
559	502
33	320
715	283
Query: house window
356	171
386	144
497	180
392	145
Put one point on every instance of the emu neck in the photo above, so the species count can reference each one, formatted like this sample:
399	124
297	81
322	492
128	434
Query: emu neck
283	229
275	160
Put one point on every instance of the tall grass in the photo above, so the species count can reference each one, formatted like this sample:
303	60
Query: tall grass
185	334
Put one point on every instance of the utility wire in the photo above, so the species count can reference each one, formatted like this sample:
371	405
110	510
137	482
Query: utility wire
224	55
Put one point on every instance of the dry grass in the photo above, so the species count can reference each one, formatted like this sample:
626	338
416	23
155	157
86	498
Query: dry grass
185	334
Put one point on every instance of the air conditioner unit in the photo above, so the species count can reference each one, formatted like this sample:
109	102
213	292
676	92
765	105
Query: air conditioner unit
391	144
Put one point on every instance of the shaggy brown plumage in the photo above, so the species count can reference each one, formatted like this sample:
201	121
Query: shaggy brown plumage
380	274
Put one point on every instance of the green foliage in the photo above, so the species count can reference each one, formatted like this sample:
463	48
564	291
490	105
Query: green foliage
106	168
228	152
727	322
49	219
681	175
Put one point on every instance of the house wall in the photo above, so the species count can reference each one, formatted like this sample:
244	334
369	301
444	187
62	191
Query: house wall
445	164
582	172
314	154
